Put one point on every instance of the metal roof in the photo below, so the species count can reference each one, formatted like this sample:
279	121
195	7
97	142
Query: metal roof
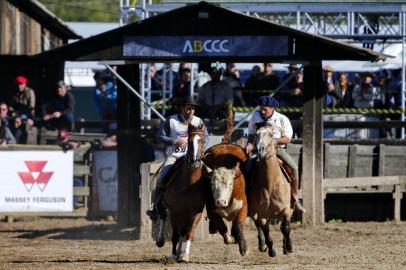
217	21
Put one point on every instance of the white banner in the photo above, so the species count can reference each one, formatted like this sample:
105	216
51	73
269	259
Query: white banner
36	181
105	180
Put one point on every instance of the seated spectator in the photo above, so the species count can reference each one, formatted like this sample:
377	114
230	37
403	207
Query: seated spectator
105	98
365	95
344	92
6	137
23	99
4	115
58	114
213	95
110	141
18	130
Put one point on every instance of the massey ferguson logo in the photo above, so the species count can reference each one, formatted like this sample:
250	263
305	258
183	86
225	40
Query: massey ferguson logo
35	175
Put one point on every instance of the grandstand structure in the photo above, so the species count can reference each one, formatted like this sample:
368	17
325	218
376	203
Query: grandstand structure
368	23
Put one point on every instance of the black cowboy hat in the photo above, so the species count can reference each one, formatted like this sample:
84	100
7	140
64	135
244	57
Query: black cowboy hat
185	100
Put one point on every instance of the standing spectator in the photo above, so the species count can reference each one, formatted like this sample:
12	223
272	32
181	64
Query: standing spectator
232	77
269	81
105	98
183	88
58	114
252	84
285	94
365	94
331	97
344	92
213	95
6	137
23	100
4	115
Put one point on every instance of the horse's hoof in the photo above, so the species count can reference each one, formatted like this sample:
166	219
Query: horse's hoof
184	257
160	243
287	247
228	240
271	252
262	248
172	257
243	247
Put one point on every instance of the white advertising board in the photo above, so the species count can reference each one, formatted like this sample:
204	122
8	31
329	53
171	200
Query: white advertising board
36	181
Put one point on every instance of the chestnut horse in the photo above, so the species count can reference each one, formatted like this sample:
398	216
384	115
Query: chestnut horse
227	198
269	192
185	196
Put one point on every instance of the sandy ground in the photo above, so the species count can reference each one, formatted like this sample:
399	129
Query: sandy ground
82	244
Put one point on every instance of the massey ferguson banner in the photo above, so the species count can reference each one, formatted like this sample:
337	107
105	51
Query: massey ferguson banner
36	181
173	46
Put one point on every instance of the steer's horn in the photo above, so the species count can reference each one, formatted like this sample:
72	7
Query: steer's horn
208	169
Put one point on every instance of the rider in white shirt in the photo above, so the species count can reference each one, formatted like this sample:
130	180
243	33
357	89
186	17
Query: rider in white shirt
282	134
174	135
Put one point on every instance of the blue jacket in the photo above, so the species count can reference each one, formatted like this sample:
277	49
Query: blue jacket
106	102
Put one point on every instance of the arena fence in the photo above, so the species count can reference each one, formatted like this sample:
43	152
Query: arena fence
367	169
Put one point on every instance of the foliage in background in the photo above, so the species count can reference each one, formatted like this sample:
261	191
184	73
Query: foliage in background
88	10
84	10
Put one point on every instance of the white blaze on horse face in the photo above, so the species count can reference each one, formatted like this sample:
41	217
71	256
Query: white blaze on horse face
222	180
264	138
196	140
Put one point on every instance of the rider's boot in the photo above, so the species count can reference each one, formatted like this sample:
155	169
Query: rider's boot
153	213
295	203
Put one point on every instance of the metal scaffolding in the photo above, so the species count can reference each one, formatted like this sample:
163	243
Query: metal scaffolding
364	22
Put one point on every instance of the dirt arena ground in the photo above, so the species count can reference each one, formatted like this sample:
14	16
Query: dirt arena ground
82	244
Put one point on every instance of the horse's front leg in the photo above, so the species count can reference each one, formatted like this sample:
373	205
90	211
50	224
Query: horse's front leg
287	242
264	226
175	241
261	237
160	239
183	256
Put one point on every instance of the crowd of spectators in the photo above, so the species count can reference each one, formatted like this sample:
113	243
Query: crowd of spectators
21	112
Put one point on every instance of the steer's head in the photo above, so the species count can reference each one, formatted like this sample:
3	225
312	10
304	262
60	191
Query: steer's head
222	180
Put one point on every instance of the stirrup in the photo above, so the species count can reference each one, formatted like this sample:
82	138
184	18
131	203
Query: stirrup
298	206
153	214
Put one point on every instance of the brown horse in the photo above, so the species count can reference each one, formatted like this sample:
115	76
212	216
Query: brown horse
227	198
269	193
185	197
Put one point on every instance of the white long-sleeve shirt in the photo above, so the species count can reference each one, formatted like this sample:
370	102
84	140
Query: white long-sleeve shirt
281	124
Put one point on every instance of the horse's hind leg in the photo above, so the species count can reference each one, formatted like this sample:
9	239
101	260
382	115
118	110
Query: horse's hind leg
261	237
287	242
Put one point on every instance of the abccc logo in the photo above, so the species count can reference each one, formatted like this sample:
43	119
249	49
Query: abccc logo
210	46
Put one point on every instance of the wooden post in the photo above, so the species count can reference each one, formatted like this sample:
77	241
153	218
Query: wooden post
352	160
313	145
129	141
397	196
382	153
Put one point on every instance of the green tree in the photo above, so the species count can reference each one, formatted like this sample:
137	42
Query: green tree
84	10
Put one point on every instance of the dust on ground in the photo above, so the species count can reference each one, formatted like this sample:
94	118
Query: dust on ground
83	244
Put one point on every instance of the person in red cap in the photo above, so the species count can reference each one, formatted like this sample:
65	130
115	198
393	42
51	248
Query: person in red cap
22	102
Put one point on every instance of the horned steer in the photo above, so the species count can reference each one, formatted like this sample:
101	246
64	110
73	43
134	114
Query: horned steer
227	199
